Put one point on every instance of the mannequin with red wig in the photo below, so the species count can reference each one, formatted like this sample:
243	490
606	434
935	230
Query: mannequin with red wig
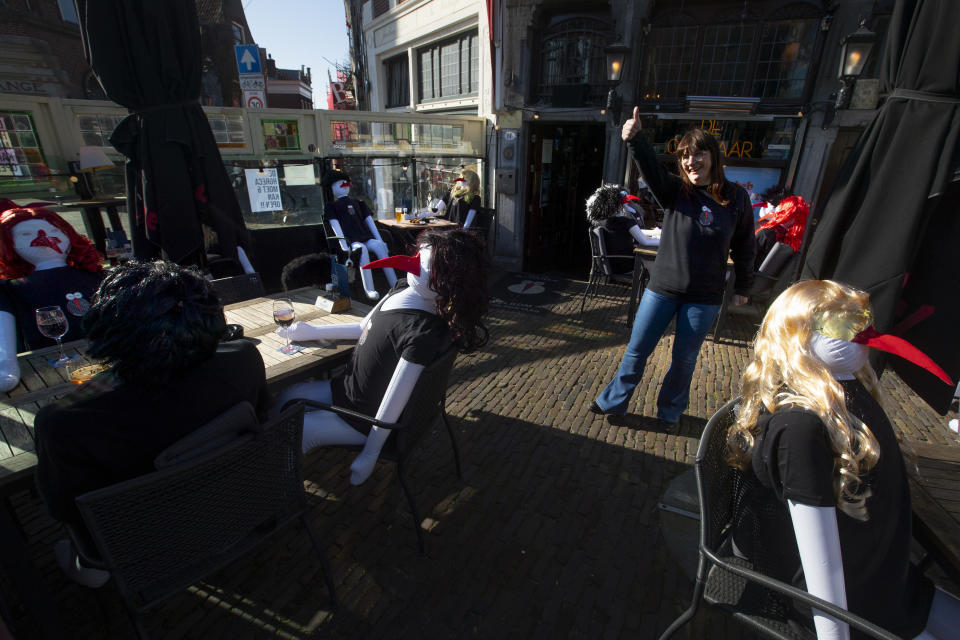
785	224
43	262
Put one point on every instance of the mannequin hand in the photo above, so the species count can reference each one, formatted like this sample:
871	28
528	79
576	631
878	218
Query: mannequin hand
299	331
9	374
738	300
362	467
632	126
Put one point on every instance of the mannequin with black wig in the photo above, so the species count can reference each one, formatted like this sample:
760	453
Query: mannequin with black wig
442	305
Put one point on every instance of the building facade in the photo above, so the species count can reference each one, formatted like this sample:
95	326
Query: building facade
761	75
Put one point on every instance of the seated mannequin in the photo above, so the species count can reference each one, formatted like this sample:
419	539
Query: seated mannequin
817	447
352	221
611	208
158	326
43	262
441	303
462	202
784	224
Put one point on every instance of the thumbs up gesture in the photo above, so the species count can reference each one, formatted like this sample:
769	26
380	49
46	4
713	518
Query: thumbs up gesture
631	126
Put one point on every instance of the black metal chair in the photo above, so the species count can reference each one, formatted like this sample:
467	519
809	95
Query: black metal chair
219	492
728	582
238	288
601	271
426	404
773	276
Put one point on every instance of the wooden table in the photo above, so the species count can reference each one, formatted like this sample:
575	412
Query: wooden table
935	496
406	232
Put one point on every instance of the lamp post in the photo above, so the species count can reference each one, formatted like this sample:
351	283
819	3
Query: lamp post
854	51
615	54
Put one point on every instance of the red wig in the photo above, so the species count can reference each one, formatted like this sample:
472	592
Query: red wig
82	254
791	209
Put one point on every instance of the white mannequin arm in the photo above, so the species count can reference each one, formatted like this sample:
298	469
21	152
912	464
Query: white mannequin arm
9	369
469	220
372	225
441	207
244	261
398	392
818	541
307	331
338	231
642	239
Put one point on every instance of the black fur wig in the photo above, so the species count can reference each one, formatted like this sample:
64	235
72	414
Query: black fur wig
606	202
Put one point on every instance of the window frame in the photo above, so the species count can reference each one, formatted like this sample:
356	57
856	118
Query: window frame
471	38
595	89
703	17
390	66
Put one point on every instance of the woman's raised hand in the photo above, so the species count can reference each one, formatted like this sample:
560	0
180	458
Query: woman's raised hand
632	126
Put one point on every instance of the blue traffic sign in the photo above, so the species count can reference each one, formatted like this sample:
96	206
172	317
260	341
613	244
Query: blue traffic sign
248	58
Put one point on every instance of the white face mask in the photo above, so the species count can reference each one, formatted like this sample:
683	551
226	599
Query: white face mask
339	189
39	242
840	357
421	283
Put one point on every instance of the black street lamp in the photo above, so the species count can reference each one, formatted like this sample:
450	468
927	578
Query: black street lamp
854	51
616	53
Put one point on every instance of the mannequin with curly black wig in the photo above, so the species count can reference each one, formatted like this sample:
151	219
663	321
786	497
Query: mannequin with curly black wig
158	326
441	305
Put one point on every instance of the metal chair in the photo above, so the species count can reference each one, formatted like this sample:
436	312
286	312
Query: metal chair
227	487
773	276
426	404
730	583
238	288
600	269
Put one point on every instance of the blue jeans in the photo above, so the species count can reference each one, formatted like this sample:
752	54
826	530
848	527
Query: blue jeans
653	315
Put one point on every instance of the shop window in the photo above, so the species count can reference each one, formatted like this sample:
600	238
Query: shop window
398	81
450	69
281	135
571	61
228	130
699	51
21	158
95	129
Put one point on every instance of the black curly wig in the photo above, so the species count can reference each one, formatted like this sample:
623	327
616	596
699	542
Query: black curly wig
459	276
153	321
605	202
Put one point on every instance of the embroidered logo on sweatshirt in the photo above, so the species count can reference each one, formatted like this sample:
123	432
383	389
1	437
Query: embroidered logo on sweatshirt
706	216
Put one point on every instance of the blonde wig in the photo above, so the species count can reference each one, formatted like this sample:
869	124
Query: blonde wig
469	187
785	372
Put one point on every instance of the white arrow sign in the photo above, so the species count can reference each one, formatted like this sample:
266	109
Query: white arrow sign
248	60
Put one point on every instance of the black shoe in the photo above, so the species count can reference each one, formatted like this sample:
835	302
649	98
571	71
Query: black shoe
595	408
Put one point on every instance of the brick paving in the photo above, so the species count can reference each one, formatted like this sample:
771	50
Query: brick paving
554	530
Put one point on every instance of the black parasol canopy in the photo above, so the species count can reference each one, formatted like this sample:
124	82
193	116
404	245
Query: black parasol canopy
891	226
146	54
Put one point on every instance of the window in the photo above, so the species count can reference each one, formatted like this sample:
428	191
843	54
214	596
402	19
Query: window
398	81
68	11
380	7
450	69
21	158
700	51
571	57
281	135
238	33
96	129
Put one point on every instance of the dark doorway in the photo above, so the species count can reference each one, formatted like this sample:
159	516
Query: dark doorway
567	164
846	139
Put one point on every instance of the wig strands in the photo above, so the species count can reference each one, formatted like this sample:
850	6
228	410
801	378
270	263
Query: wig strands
606	202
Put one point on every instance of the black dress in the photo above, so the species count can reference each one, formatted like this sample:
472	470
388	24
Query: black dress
793	460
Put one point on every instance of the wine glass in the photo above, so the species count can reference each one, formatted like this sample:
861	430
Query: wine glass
284	315
52	322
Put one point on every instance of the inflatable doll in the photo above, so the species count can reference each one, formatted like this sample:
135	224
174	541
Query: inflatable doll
440	304
352	220
784	224
43	262
463	201
826	484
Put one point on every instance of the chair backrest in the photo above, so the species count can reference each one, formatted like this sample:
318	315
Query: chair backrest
483	221
776	260
163	531
425	403
238	288
598	248
715	477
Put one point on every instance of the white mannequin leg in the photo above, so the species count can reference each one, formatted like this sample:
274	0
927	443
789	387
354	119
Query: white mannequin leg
319	427
379	248
365	274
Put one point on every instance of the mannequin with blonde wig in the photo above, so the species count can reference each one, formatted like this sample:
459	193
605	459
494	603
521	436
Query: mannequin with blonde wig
808	360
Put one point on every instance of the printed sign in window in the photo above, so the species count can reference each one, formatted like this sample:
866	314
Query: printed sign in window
263	187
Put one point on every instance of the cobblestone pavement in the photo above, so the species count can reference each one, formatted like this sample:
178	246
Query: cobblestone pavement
553	532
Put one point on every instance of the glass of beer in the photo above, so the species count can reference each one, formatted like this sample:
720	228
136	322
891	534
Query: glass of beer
398	214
